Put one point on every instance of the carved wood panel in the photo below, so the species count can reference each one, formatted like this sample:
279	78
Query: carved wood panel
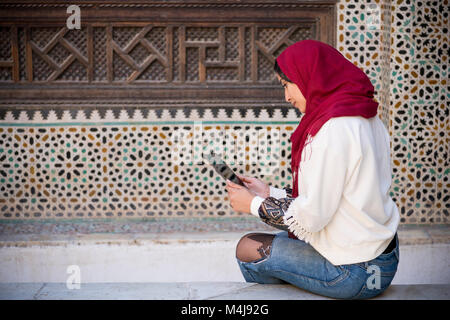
126	57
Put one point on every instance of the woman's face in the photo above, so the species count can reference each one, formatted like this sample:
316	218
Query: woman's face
293	95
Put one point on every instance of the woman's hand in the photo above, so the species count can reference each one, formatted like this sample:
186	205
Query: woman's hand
240	197
256	186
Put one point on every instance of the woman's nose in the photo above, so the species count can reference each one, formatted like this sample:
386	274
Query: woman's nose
286	96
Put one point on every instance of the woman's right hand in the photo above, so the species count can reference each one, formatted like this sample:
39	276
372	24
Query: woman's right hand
256	186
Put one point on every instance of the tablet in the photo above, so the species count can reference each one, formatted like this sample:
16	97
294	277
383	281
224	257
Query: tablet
222	168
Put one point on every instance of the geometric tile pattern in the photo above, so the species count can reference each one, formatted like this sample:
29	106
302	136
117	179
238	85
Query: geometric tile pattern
410	72
131	167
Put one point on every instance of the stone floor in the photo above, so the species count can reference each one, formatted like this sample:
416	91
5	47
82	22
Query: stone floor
197	291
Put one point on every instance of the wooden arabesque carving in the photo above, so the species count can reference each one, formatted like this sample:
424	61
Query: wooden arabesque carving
162	50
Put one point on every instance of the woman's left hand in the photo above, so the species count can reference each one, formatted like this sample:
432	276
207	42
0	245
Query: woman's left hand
240	197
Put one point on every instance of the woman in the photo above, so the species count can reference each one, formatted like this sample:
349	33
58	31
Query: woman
340	223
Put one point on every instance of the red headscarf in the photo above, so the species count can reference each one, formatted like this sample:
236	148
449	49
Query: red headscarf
332	86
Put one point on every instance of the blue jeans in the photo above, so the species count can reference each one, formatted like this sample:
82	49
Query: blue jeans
296	262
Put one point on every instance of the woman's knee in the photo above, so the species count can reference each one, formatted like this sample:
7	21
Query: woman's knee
254	246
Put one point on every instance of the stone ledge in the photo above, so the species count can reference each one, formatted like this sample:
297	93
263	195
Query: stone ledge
408	235
187	257
198	291
72	227
27	233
